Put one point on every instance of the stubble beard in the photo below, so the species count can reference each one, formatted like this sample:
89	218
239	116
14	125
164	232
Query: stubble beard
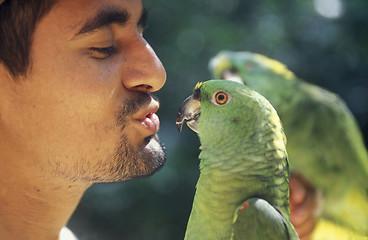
126	162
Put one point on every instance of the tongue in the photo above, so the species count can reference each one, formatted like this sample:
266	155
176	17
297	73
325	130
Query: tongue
152	122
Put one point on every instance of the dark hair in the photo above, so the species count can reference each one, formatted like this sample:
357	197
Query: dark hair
18	19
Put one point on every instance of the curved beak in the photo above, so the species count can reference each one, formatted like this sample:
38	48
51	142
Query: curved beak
189	112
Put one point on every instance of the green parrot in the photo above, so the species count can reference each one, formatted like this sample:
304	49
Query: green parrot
242	191
325	143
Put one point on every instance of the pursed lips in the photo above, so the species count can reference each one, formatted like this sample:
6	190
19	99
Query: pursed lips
148	118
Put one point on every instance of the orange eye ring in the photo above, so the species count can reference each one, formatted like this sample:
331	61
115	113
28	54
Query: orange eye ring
221	98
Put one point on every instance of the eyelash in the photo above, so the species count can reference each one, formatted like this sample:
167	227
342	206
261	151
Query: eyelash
106	52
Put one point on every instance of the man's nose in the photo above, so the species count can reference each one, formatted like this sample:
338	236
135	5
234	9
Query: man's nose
142	69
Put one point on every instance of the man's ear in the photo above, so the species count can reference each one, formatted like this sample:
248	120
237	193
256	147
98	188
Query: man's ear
305	203
299	190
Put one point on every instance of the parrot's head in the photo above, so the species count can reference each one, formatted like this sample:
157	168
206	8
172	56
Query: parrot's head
226	112
267	76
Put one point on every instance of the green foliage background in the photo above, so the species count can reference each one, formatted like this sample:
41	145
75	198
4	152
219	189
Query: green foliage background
332	53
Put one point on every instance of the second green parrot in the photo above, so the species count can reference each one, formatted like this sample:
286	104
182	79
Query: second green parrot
324	141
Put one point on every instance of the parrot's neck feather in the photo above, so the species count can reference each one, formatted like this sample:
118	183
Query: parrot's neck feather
221	189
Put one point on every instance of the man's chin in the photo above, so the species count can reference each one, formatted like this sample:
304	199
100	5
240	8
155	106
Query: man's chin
128	162
145	161
155	153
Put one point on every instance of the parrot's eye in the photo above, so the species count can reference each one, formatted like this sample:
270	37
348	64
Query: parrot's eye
220	98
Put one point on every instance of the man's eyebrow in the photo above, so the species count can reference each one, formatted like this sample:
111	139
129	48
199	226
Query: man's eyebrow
104	18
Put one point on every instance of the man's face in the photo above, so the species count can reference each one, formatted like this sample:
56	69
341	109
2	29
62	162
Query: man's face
84	112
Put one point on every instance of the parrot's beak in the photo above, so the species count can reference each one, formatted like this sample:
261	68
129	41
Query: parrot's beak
189	112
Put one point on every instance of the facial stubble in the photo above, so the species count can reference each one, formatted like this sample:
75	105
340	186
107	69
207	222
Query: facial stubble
128	161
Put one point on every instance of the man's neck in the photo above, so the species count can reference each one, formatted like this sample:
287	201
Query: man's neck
35	207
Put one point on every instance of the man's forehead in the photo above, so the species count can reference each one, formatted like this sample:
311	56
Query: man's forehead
76	16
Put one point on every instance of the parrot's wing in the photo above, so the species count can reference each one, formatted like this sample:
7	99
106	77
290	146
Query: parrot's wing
257	219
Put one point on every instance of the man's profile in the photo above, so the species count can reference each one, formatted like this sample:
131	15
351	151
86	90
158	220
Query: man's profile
76	107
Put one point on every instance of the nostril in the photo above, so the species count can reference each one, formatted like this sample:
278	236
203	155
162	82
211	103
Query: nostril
143	88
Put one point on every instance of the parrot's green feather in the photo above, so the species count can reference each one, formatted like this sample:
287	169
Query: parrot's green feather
243	157
324	141
259	215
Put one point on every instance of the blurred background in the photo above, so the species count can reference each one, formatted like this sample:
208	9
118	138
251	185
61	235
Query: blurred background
322	41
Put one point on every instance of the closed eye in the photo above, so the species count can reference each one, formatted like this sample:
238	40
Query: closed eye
102	53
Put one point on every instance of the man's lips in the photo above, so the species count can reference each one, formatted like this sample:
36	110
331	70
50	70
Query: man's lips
148	118
151	122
